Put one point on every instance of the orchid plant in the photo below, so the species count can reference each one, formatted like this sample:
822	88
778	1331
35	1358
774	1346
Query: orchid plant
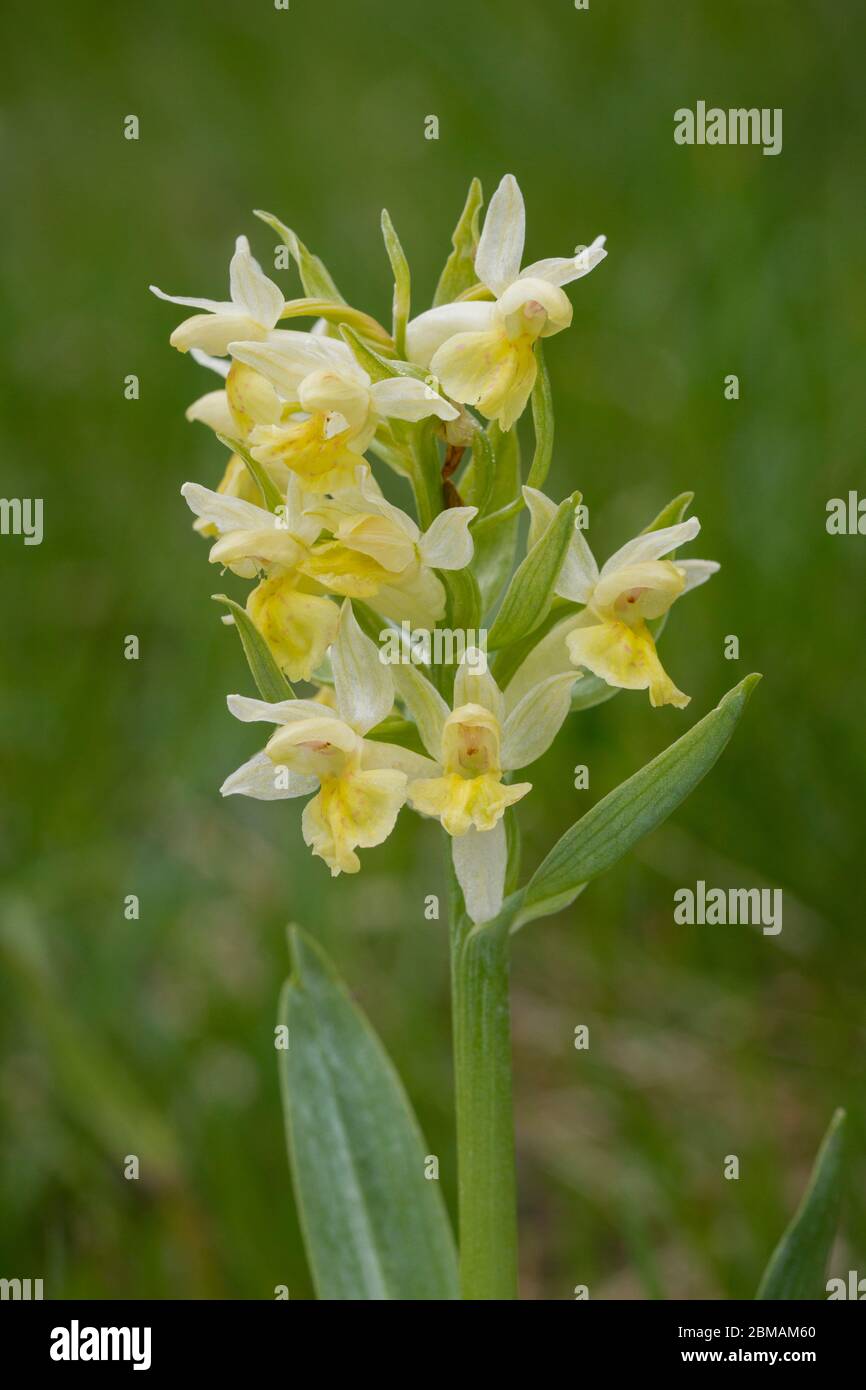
316	421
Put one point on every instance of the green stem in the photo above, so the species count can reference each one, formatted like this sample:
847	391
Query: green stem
487	1190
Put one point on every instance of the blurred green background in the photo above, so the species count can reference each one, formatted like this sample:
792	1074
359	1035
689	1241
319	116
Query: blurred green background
155	1037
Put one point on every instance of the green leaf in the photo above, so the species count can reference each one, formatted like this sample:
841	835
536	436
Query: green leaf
464	599
532	589
315	277
459	270
478	479
495	546
271	495
510	659
374	1227
542	421
672	513
377	368
270	681
402	282
633	809
799	1261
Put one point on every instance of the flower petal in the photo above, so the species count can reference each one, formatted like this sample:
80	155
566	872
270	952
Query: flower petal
288	356
640	591
625	656
298	627
214	364
251	289
697	572
535	307
426	333
265	780
419	600
549	657
406	398
480	859
425	705
359	808
363	684
447	542
490	371
213	410
213	306
282	712
213	332
226	513
474	684
562	270
652	545
375	755
535	721
500	249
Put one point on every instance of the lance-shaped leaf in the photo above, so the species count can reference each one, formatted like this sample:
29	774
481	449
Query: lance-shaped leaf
798	1264
315	277
272	498
270	681
463	600
542	423
478	480
459	270
532	589
672	513
402	283
374	1227
633	809
377	368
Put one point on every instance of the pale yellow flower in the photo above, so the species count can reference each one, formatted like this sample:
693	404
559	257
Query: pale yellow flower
254	308
610	637
377	552
483	353
331	406
484	736
360	783
296	619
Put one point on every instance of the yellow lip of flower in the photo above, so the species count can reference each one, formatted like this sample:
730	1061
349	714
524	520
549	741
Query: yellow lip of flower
484	736
359	785
483	352
610	637
322	377
298	626
323	461
252	311
624	655
377	550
